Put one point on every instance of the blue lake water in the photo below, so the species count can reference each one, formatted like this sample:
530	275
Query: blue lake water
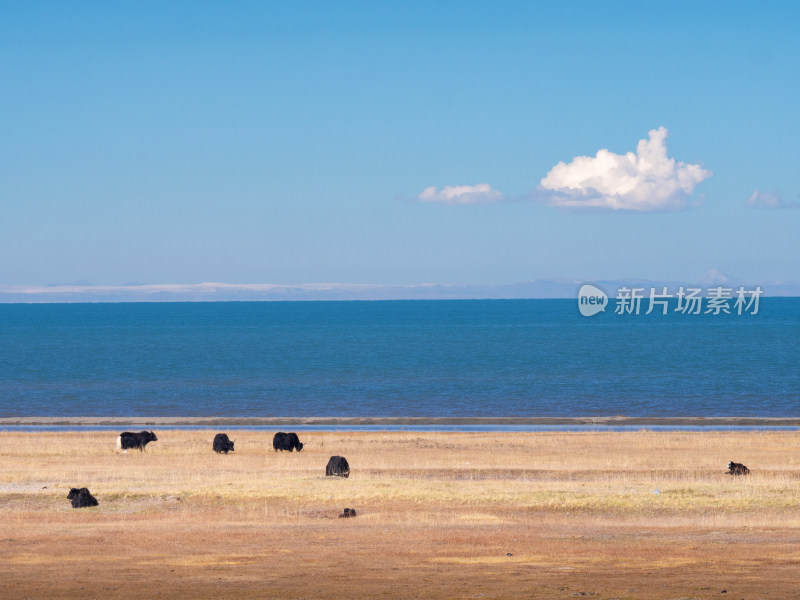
437	358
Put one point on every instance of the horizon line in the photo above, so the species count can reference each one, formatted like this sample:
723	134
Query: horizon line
561	288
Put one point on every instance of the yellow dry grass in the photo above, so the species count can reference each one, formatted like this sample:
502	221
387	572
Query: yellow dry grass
444	515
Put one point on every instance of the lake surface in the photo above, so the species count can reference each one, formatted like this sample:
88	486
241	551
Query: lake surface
437	358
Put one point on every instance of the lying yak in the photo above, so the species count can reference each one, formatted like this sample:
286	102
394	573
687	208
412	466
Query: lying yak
347	513
337	465
222	443
286	441
737	469
81	498
135	440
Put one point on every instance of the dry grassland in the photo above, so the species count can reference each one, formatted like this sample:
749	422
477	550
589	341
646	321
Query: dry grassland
440	515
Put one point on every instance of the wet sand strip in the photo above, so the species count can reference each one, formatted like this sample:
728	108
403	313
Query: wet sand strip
215	421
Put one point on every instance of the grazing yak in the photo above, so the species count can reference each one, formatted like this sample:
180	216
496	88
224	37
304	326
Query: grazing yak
347	513
81	498
737	469
286	441
135	440
337	465
222	443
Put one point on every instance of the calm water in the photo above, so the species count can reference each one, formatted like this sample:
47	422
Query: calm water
404	358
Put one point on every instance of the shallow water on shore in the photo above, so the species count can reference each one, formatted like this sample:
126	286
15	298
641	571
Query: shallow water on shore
409	428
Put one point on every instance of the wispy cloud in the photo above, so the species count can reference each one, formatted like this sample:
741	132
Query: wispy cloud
768	200
481	193
645	180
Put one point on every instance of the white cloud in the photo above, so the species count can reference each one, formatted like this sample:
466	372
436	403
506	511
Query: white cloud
481	193
647	180
759	199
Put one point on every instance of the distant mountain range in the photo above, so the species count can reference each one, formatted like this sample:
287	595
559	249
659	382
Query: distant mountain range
217	292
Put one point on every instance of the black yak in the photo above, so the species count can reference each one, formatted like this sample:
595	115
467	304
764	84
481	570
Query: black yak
737	469
81	498
139	440
286	441
337	465
347	513
222	443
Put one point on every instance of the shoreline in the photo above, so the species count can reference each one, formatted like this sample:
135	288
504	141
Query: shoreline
615	421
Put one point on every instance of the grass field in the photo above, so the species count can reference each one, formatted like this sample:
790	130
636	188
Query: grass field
440	515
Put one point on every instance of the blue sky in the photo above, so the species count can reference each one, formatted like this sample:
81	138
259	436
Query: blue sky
294	142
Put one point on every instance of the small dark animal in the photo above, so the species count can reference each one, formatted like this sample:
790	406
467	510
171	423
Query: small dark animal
737	469
337	465
81	498
139	440
347	513
222	443
286	441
